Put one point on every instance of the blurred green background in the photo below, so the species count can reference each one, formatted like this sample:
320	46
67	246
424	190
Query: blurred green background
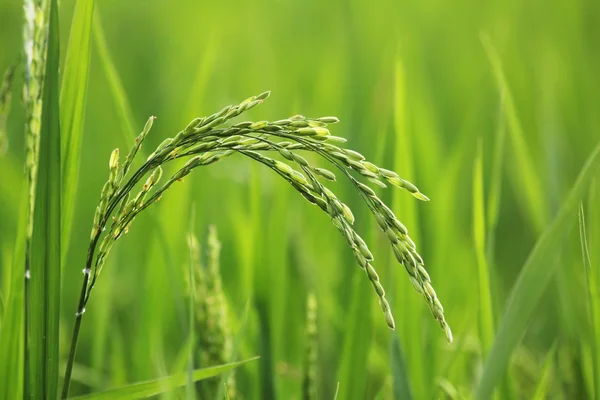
417	86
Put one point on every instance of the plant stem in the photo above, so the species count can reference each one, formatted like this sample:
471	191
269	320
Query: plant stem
84	294
78	318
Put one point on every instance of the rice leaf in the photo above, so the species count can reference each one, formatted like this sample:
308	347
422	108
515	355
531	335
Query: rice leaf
541	390
591	275
525	177
142	390
357	336
409	327
11	332
486	314
46	240
400	381
123	108
72	107
532	281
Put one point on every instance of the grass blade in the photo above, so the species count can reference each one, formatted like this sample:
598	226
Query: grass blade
527	180
486	315
11	332
355	353
123	108
72	107
542	386
155	387
46	240
532	281
400	381
406	300
593	297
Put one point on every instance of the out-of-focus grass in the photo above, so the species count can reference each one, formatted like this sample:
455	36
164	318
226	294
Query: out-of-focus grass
415	88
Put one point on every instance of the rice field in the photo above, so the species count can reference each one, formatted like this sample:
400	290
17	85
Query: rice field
279	253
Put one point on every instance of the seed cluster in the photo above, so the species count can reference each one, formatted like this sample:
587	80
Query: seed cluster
206	140
214	345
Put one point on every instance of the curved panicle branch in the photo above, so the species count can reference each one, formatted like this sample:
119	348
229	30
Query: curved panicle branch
207	140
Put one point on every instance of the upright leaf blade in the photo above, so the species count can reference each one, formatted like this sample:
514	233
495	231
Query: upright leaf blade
11	332
533	280
400	381
72	107
486	316
46	239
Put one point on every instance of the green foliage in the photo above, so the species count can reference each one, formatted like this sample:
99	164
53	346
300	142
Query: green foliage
45	272
489	109
72	107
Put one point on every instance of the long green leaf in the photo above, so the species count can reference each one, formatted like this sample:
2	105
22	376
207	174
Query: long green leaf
46	239
526	177
542	385
532	281
592	292
72	107
486	315
351	373
11	333
400	382
155	387
123	108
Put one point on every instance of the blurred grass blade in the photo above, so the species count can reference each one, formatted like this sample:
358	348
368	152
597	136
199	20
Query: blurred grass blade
11	332
493	206
400	381
526	178
351	373
486	315
46	240
123	109
593	296
409	326
72	108
155	387
532	281
541	391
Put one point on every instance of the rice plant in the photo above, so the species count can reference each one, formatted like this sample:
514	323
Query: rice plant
205	141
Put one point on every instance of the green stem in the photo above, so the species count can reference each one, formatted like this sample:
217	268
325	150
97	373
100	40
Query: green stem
78	317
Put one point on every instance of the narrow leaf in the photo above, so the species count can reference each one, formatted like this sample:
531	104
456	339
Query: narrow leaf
72	107
46	240
400	381
532	281
486	316
541	390
525	176
11	333
155	387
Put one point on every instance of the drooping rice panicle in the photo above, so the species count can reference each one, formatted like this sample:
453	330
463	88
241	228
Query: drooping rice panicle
206	140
